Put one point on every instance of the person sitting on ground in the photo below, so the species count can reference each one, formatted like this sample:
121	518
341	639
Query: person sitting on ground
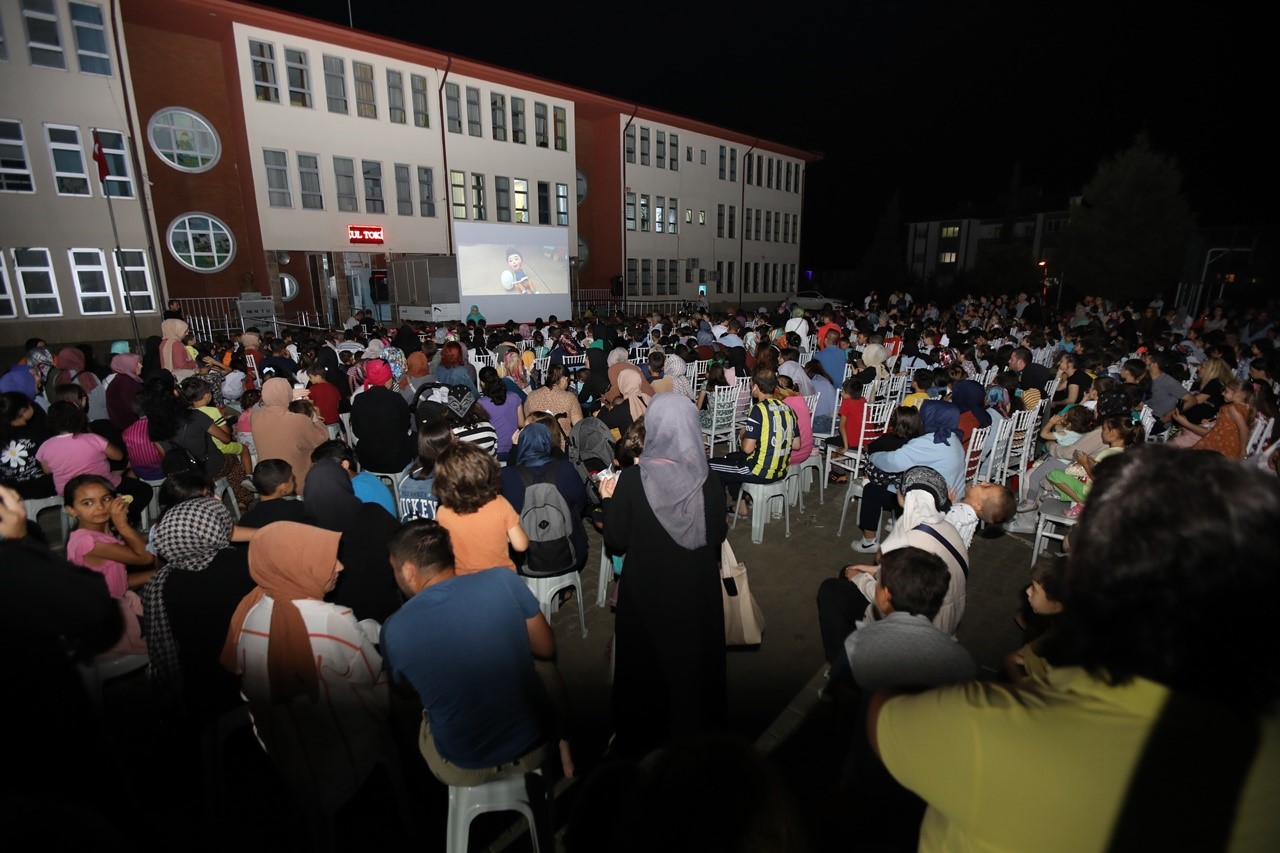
368	488
274	481
1041	605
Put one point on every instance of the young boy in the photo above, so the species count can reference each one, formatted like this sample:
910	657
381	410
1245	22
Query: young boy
274	481
921	382
852	406
990	503
326	397
367	487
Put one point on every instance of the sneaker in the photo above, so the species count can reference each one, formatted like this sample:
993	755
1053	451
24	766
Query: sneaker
248	486
1024	523
865	546
1027	505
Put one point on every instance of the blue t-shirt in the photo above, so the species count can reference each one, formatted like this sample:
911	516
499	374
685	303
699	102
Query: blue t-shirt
833	360
463	645
372	490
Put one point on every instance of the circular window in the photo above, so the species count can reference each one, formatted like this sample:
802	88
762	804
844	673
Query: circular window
583	253
201	242
288	287
582	186
184	139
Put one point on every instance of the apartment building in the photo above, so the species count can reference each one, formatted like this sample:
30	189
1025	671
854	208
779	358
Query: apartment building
941	249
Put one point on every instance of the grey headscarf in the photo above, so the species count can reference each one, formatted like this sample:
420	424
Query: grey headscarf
673	469
676	369
616	355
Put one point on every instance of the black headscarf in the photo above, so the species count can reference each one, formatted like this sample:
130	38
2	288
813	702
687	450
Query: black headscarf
406	340
597	384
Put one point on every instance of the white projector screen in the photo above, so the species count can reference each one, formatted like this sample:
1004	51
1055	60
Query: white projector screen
504	287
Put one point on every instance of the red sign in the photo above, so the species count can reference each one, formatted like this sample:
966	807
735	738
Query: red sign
364	233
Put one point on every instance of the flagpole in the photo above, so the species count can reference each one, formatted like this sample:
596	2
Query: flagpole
103	173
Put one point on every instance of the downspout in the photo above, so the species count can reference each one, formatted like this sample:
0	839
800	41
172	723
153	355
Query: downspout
630	120
444	152
742	230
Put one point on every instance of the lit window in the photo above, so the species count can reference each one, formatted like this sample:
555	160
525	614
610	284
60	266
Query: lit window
520	197
562	204
395	97
673	214
135	280
474	125
335	84
366	106
479	201
453	107
309	182
372	171
36	283
344	176
562	128
119	182
426	191
644	212
277	163
69	174
951	231
517	121
947	258
404	191
201	242
458	194
266	86
498	115
298	76
659	214
89	272
184	140
44	44
421	115
91	39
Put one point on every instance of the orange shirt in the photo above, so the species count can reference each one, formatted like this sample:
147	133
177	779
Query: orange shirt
480	538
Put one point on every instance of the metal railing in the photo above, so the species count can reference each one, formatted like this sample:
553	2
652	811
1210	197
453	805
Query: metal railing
211	316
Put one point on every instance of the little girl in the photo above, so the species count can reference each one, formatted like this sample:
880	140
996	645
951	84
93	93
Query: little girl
1067	427
1074	483
481	522
105	542
1228	434
1044	601
73	450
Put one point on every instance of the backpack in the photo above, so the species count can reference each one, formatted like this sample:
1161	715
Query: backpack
548	522
590	447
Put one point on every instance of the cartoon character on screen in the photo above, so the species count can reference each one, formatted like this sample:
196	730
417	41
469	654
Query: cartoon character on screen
514	277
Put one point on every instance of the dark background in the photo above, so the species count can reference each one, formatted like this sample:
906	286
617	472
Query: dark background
934	102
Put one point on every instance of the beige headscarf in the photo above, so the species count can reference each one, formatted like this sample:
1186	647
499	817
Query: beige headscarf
281	434
173	353
629	384
874	355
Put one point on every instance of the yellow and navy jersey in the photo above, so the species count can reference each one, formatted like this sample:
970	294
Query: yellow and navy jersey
772	423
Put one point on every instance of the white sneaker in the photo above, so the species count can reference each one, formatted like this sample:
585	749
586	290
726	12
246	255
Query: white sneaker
1027	505
248	485
862	546
1021	523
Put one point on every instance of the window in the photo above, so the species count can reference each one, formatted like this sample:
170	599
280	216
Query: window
517	120
719	276
644	212
724	160
795	229
675	152
184	140
662	151
119	183
474	127
561	116
757	224
659	214
266	87
702	217
688	215
498	115
646	277
395	98
950	231
453	107
309	182
366	106
89	272
630	211
135	280
36	283
769	174
479	204
335	84
502	193
344	176
277	163
788	177
6	295
201	242
644	146
298	76
632	267
91	39
69	174
404	191
458	194
733	216
688	154
703	157
44	45
720	220
673	213
426	191
520	196
540	125
768	226
748	165
786	227
562	204
544	202
729	283
4	55
733	164
947	258
418	87
372	171
629	143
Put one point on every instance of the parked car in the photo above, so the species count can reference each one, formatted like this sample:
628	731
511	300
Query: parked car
812	300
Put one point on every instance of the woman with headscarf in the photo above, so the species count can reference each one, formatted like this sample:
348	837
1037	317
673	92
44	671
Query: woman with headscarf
380	422
417	370
281	434
618	363
676	369
71	368
873	359
533	453
406	340
173	352
514	374
563	346
395	359
367	585
596	384
665	515
939	447
971	399
631	405
475	316
40	360
189	603
311	672
123	390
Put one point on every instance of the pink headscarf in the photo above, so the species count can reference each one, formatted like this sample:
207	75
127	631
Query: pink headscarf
376	372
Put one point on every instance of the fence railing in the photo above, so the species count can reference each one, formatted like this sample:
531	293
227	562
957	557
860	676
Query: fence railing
605	302
211	316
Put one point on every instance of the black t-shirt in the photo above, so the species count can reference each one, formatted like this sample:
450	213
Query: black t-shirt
1034	376
281	509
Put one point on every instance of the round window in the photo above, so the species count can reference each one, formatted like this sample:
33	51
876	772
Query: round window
201	242
184	139
582	186
288	287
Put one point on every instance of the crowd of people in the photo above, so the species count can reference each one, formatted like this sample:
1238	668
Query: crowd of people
304	520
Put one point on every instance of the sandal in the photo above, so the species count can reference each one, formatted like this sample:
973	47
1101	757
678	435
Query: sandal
837	479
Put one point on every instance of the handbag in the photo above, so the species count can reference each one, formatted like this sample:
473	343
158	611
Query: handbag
743	621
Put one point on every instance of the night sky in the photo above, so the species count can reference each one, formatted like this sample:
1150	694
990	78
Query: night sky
933	101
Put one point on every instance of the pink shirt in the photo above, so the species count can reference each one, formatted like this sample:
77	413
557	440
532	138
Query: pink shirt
81	542
72	455
805	422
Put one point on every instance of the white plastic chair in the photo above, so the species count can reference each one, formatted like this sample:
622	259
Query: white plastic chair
761	494
1257	436
723	406
545	589
973	454
509	794
35	506
105	668
1051	523
392	482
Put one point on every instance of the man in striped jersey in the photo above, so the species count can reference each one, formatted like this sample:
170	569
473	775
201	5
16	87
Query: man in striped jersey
770	434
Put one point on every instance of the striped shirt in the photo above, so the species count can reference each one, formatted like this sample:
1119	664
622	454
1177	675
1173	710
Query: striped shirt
772	424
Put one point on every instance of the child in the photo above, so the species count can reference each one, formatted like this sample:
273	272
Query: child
1068	426
73	451
274	481
244	426
1040	609
1074	483
904	425
367	487
236	381
921	382
990	503
107	543
480	521
198	393
852	406
417	481
326	397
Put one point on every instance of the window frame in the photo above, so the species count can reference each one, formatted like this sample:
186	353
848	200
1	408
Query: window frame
520	200
60	174
81	294
644	146
297	60
117	157
26	296
201	127
335	78
560	124
541	133
544	202
395	97
374	199
502	198
519	131
339	177
498	116
100	27
421	100
303	192
28	15
122	279
475	123
404	189
8	307
479	198
562	204
426	191
277	196
218	267
453	107
270	87
458	193
365	89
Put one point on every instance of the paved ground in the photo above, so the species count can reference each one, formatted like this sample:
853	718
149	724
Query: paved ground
773	697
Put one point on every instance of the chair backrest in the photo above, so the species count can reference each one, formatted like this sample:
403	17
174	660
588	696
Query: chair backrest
875	419
487	359
1261	427
743	399
1148	419
973	454
1051	388
724	407
811	400
996	471
573	360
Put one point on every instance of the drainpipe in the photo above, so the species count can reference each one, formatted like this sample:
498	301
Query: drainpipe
630	119
444	151
742	230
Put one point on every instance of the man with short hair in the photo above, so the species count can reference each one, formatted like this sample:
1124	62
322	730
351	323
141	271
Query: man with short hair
768	438
832	355
1030	374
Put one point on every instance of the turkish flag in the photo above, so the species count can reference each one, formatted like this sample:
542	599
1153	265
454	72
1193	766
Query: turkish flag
100	158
